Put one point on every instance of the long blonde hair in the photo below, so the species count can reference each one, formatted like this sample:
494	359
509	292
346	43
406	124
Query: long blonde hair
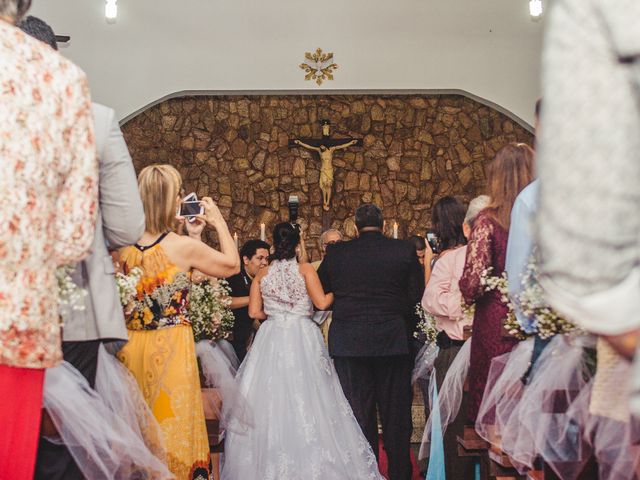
507	174
159	189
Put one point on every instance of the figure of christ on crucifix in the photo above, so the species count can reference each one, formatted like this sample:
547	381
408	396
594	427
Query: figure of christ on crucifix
325	148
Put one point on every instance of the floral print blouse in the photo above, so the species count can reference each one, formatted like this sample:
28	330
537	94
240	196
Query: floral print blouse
48	192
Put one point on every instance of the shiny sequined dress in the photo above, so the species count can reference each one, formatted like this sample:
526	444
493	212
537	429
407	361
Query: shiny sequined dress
302	426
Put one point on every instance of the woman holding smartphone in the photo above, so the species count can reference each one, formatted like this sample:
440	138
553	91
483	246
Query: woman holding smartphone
161	350
442	299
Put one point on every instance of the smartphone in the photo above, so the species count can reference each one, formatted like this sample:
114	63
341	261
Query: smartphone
190	210
433	241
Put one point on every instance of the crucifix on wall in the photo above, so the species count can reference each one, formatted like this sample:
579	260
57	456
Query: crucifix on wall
325	147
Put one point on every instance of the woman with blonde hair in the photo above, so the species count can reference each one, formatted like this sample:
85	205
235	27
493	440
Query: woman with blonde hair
161	350
507	174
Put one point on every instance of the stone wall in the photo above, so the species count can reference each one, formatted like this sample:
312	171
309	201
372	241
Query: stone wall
416	149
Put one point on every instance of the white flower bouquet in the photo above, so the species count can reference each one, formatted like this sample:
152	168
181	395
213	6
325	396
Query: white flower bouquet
426	328
209	309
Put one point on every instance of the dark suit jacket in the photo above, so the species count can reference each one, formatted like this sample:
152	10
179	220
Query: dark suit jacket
375	281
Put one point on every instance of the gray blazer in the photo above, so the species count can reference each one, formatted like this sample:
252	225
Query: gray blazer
120	222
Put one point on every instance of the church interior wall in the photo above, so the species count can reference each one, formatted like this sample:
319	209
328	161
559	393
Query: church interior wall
416	149
158	47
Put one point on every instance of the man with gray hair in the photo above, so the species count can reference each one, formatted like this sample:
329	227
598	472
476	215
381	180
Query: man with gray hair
328	237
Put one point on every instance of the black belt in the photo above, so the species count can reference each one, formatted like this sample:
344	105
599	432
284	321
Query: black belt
444	341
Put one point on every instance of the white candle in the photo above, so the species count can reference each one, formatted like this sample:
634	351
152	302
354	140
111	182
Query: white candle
235	238
395	229
263	232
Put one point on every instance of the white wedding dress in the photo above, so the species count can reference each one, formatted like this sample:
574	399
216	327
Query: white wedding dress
302	426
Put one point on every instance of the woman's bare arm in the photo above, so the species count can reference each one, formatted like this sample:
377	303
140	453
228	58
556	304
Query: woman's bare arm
256	310
321	300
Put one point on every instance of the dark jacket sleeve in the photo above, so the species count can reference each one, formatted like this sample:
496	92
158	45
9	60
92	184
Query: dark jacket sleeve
416	280
323	271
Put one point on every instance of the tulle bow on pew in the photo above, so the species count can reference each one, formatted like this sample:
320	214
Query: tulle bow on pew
449	396
105	436
219	366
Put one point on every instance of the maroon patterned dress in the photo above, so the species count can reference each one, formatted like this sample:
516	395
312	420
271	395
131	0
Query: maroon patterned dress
487	249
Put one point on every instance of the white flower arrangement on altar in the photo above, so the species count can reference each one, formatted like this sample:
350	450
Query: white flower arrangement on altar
209	309
426	328
70	295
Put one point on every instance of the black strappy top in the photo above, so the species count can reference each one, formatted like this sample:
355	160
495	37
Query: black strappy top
142	248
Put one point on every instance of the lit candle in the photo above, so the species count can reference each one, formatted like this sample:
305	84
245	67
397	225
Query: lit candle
395	229
235	238
263	232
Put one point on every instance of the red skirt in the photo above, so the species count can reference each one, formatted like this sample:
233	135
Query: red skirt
20	412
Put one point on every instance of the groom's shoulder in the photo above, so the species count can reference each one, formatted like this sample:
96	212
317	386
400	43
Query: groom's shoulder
340	247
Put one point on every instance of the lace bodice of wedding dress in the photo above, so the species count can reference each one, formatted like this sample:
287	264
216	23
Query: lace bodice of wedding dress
284	291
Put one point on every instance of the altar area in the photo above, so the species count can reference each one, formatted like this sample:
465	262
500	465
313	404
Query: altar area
412	150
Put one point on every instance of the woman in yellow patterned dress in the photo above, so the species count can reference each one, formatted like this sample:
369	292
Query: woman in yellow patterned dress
161	350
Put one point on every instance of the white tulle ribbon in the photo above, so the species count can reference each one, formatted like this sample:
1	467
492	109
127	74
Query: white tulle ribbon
100	440
219	366
449	396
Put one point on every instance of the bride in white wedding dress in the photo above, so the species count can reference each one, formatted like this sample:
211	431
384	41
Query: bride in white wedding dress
303	427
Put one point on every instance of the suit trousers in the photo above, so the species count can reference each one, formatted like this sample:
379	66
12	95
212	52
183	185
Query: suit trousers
381	385
55	461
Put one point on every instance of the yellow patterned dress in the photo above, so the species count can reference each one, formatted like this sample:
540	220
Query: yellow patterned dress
161	355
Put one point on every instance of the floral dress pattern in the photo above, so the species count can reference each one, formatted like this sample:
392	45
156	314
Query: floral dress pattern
48	192
161	356
487	249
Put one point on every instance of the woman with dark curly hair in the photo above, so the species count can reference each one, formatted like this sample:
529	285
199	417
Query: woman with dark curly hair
302	421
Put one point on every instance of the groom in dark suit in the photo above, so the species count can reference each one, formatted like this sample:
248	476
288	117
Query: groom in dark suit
375	281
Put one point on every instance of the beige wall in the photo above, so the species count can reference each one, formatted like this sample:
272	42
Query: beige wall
158	47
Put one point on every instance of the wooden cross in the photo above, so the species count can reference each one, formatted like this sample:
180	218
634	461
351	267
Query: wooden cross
325	147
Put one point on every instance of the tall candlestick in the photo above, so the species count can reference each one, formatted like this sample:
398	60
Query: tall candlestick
395	229
235	239
263	232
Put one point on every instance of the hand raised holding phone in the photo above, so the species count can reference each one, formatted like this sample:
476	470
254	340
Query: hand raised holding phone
212	214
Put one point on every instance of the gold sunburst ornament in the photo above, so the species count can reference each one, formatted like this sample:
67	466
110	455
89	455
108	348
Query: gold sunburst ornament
318	66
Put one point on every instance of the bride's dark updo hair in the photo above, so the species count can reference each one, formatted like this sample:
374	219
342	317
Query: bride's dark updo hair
285	240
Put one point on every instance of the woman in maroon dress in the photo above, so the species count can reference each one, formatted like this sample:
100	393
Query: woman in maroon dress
507	174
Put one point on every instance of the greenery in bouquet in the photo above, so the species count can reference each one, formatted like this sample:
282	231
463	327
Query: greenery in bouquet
532	303
209	310
70	295
491	282
426	328
468	311
128	287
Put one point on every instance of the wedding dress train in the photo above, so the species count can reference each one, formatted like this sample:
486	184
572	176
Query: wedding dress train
302	425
